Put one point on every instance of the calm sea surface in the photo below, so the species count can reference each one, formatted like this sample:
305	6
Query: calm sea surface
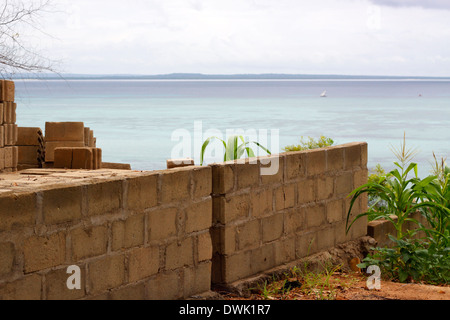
134	120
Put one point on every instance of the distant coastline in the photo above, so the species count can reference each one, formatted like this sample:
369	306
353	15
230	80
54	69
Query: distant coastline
200	76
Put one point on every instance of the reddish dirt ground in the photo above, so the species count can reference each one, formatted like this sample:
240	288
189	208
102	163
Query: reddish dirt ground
352	286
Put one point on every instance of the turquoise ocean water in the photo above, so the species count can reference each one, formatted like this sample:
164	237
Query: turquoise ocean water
133	120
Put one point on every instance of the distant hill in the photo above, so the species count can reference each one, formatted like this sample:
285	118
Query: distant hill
200	76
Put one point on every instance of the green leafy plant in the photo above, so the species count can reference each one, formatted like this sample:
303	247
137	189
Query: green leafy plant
235	148
310	143
423	259
412	259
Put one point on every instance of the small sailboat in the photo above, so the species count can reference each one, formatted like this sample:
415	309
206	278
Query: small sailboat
324	94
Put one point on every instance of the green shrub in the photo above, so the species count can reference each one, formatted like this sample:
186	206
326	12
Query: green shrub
310	143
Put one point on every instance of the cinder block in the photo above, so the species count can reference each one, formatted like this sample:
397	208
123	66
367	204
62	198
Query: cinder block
143	263
222	178
64	131
162	217
104	197
106	273
8	157
62	204
82	158
235	267
272	227
306	191
272	169
7	257
344	184
2	136
325	188
2	158
179	163
364	154
202	182
228	209
316	161
17	211
56	285
305	244
335	211
15	156
165	286
28	136
197	280
62	158
360	178
175	184
326	238
27	288
284	251
199	216
9	111
52	145
128	233
116	166
86	136
91	139
294	220
248	234
180	254
44	252
335	158
7	90
88	242
262	202
97	158
130	292
142	192
295	165
262	259
224	239
315	216
204	247
352	155
10	134
285	197
247	174
28	155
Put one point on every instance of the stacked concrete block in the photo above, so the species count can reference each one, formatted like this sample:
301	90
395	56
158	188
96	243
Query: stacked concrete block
31	148
8	127
78	158
71	145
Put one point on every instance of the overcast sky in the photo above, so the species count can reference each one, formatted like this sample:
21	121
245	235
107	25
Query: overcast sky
355	37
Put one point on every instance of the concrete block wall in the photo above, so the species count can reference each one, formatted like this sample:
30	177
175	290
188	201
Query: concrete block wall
174	233
145	236
8	127
264	221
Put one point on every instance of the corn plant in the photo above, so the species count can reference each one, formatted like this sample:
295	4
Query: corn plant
425	259
235	148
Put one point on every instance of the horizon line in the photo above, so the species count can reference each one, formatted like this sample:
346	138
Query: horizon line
192	75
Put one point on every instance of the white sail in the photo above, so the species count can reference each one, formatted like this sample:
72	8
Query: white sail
324	94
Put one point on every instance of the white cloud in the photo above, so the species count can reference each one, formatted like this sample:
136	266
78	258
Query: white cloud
430	4
249	36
